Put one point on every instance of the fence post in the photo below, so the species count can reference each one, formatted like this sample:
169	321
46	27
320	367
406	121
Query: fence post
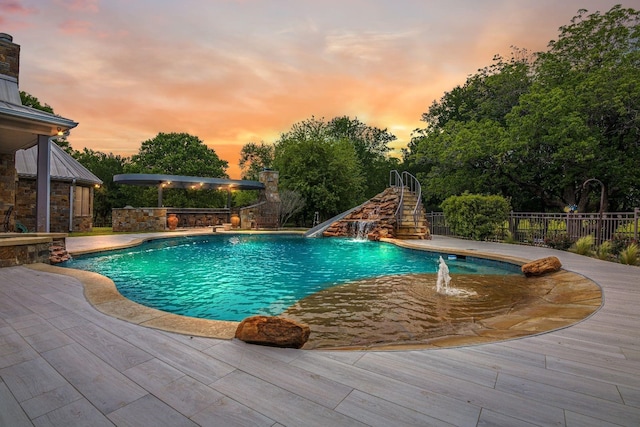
636	217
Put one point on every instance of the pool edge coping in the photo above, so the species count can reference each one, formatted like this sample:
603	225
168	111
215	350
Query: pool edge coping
102	294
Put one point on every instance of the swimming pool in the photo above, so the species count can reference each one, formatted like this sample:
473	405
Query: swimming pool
226	277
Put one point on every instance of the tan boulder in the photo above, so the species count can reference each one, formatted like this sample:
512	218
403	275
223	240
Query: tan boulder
541	266
273	332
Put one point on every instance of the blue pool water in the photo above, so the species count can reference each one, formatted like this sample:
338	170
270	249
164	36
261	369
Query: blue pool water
225	277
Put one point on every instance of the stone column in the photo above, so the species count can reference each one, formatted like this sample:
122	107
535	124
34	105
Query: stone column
7	186
270	180
43	185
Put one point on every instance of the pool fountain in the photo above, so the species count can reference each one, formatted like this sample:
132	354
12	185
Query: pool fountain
444	279
442	283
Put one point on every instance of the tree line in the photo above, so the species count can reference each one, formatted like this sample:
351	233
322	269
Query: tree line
534	128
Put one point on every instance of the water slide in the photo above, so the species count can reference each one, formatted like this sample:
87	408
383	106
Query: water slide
318	229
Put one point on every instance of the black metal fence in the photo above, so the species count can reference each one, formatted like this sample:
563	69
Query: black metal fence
548	228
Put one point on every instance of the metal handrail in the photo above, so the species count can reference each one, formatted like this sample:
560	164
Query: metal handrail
415	187
406	182
395	180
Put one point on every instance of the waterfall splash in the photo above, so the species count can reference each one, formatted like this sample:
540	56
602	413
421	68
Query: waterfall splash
361	229
442	283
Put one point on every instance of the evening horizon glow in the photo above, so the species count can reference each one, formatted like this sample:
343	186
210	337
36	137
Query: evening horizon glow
237	71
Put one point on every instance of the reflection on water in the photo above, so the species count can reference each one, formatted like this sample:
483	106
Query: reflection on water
407	308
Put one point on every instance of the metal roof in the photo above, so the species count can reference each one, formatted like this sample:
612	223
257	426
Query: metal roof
193	182
63	166
20	125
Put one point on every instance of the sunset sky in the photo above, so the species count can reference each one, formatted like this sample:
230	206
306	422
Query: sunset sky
238	71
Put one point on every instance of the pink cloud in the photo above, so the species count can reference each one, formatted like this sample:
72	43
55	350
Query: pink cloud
79	5
12	11
15	7
75	27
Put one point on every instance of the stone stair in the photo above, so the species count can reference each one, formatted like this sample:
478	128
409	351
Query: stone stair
409	227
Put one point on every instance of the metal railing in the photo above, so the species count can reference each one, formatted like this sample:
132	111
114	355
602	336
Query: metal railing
542	228
406	182
395	181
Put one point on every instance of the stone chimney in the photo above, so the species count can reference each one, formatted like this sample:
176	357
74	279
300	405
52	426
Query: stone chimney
9	69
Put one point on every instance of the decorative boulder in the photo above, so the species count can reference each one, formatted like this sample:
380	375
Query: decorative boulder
541	266
273	331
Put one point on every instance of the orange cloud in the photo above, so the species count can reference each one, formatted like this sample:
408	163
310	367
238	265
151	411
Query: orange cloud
238	72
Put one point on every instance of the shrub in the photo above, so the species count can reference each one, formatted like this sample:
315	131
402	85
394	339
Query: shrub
583	246
507	236
629	255
620	242
475	216
604	250
560	241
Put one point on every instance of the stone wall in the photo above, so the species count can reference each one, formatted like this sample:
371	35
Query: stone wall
200	217
139	219
7	185
374	219
60	207
30	249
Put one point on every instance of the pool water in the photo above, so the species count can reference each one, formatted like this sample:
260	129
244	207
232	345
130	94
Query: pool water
224	277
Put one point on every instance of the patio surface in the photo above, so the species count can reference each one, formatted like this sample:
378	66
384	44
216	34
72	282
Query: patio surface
64	363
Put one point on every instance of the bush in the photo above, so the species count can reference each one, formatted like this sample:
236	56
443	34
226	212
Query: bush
475	216
583	246
620	241
629	255
604	250
560	241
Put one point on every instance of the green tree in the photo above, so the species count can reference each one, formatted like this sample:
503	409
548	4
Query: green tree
535	132
109	195
179	154
254	158
463	146
323	169
33	102
582	114
372	149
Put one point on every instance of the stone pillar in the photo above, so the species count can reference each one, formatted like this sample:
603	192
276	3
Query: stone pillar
269	210
43	185
270	180
7	186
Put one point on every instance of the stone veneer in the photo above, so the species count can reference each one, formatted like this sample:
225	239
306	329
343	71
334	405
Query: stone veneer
9	58
7	185
25	208
29	249
379	211
139	219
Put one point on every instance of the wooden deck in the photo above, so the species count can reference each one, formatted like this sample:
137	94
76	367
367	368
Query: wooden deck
62	363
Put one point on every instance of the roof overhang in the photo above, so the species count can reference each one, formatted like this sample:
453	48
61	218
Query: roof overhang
21	125
188	182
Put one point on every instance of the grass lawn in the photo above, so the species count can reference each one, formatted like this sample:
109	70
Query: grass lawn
99	231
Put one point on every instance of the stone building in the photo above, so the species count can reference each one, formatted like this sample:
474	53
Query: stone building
71	197
23	127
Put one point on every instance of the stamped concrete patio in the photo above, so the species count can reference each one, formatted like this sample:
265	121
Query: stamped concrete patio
64	363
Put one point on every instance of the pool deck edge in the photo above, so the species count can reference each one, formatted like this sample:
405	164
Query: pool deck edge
103	295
